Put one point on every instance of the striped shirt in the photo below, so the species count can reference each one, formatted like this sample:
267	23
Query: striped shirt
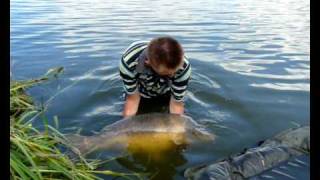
138	77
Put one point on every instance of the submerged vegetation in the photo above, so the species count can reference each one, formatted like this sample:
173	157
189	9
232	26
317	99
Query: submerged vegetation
35	154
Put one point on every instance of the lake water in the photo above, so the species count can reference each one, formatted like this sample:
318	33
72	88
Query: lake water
250	60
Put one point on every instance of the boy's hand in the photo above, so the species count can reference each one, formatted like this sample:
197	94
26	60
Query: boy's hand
176	107
131	105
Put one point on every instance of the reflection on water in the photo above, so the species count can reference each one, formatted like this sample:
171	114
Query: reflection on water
250	62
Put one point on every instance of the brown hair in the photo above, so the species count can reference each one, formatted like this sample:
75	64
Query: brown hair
166	51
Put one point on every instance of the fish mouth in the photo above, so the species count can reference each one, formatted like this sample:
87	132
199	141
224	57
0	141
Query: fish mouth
202	135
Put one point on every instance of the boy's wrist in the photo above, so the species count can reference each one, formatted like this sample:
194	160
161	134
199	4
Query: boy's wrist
131	105
176	107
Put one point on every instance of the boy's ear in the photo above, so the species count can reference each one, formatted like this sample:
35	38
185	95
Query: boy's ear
147	62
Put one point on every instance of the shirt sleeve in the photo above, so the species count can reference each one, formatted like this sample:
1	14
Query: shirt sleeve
180	82
128	75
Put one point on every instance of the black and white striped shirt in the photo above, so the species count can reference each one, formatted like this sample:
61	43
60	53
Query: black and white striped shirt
138	77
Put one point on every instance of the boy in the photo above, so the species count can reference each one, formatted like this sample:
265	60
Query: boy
154	73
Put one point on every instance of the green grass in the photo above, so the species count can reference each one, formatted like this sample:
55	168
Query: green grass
34	154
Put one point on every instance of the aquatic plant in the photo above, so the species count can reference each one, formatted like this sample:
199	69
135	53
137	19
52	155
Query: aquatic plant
37	155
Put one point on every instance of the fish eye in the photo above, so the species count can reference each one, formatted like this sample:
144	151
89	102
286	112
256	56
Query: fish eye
195	133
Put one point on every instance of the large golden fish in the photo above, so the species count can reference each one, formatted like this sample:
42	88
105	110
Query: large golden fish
151	133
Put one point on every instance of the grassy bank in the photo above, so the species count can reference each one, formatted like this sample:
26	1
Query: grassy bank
35	154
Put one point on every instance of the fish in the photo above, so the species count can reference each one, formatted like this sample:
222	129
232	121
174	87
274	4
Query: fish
153	132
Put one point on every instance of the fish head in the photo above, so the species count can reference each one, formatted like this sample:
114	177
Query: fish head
196	131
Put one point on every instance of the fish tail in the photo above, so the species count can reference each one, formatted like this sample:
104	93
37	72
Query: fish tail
78	143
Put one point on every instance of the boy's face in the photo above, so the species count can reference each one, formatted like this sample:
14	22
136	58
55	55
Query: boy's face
162	70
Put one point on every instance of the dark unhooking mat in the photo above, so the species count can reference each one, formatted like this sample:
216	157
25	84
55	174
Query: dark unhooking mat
297	168
270	159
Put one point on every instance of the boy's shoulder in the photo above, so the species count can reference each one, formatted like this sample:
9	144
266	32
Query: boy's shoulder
131	54
185	68
139	42
186	64
136	44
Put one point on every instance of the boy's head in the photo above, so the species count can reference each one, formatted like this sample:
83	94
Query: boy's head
165	55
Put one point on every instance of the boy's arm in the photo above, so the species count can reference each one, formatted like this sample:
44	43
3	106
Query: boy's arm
129	79
179	87
131	105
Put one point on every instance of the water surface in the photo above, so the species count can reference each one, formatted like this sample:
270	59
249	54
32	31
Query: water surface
250	60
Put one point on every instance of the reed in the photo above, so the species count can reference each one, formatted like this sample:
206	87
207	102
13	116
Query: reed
37	155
